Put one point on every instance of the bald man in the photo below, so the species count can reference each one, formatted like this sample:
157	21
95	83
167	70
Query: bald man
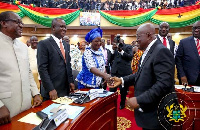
163	36
153	80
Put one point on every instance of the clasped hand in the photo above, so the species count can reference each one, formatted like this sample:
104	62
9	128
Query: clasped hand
114	82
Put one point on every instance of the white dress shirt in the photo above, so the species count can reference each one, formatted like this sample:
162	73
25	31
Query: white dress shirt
58	41
146	51
161	38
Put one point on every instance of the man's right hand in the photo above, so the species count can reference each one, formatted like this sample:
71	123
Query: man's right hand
114	82
4	115
53	95
184	80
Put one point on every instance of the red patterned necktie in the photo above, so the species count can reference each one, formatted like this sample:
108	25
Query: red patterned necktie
198	46
164	41
62	50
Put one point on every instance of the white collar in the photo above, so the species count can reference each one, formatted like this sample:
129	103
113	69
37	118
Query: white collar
149	46
56	39
161	38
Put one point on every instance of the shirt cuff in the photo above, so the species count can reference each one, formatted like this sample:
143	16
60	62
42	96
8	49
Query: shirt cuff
122	82
122	52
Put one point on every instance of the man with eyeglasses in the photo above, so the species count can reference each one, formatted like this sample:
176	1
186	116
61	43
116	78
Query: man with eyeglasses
152	82
54	65
17	84
188	58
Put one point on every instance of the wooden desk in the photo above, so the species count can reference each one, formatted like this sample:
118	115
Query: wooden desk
100	113
192	100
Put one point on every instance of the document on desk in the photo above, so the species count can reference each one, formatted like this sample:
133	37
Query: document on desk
34	119
63	100
72	111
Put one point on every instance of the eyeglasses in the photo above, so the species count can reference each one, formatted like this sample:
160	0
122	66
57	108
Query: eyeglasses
194	28
19	22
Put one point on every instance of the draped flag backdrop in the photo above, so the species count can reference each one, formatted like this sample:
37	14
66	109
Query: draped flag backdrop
176	17
128	18
9	7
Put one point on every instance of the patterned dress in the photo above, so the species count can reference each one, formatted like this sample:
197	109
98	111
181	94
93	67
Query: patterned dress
76	58
135	61
91	59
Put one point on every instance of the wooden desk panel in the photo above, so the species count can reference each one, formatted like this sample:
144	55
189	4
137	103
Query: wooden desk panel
193	112
100	113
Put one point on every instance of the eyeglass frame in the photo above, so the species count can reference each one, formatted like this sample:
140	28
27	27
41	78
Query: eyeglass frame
16	21
196	27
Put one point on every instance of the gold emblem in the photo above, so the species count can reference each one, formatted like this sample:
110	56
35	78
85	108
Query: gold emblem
176	112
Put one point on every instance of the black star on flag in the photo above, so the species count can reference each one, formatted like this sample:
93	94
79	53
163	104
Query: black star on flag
179	15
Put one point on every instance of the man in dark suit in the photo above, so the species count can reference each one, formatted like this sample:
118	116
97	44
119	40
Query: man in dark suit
153	80
54	63
121	58
188	58
162	36
107	56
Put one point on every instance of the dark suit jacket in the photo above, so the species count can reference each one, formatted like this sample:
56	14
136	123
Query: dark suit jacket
121	64
54	72
188	60
154	79
171	44
108	64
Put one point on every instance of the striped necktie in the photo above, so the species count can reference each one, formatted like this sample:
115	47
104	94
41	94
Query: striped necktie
198	46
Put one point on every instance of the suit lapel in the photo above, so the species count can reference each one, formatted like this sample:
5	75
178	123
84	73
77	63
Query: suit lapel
159	39
145	59
194	47
171	46
52	41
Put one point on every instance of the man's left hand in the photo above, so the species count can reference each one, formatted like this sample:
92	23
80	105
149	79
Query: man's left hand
72	87
36	101
132	103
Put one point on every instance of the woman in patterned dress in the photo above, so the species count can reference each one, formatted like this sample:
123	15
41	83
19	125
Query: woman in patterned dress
93	63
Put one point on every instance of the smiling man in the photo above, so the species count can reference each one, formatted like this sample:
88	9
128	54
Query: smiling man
17	84
153	80
162	36
54	63
32	52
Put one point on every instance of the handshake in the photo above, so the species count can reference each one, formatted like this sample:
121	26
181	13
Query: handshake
112	82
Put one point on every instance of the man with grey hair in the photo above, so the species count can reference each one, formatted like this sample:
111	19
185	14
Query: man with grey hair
153	80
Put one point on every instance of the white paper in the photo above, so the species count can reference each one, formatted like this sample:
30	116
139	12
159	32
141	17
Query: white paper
196	88
31	118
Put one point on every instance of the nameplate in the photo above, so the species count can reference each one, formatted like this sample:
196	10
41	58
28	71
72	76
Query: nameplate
93	95
61	117
98	90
